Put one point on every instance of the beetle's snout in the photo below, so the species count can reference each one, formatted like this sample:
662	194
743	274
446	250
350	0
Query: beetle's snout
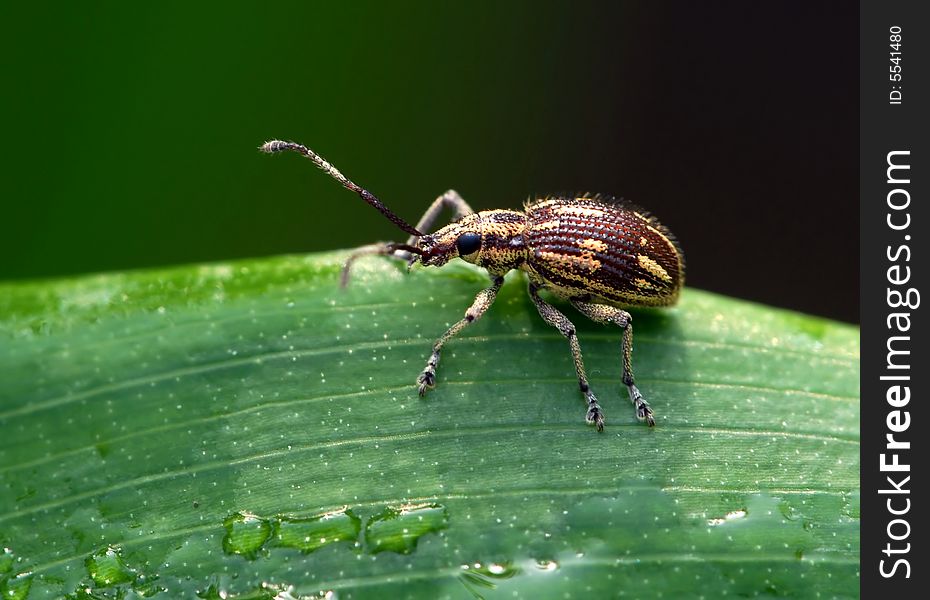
436	251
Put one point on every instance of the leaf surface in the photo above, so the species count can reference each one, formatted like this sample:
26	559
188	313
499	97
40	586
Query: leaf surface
249	430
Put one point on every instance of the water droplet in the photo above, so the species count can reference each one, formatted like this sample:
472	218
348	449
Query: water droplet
107	568
730	516
311	533
486	576
397	529
246	533
547	565
6	561
13	587
266	590
212	593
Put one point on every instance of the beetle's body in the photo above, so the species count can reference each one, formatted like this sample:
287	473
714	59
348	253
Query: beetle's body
598	253
577	246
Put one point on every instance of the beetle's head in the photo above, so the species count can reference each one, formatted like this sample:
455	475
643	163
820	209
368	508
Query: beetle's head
462	239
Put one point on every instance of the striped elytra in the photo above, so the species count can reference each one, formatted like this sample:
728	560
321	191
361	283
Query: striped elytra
603	247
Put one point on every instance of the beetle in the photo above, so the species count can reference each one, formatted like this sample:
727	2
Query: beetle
598	252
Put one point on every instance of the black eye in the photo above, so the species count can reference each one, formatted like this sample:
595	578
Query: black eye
468	243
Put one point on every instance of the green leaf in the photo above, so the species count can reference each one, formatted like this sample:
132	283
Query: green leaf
249	430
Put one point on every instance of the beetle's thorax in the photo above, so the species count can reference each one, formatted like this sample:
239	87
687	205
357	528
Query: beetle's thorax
502	246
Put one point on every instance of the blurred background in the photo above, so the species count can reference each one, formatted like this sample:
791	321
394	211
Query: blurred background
130	129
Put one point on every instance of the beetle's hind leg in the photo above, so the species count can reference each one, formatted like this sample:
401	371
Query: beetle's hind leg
603	313
483	301
552	316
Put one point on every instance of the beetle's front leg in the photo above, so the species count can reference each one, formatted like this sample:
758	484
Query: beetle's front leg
552	316
378	249
452	200
483	301
603	313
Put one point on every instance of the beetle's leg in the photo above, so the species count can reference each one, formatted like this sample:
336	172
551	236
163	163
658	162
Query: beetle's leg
610	314
381	248
483	301
552	316
450	199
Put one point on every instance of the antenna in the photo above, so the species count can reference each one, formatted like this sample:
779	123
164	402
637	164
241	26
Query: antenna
279	146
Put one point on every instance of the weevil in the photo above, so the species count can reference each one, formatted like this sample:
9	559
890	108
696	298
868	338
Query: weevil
597	252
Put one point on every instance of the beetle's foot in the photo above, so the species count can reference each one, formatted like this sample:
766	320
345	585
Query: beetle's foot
426	380
595	415
643	410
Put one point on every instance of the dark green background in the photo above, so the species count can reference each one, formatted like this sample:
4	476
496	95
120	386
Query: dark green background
130	129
